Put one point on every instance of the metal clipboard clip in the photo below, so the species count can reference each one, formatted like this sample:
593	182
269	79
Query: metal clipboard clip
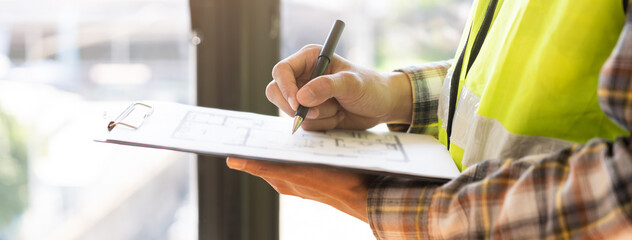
127	112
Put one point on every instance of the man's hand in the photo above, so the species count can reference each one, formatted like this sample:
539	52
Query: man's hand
346	191
346	96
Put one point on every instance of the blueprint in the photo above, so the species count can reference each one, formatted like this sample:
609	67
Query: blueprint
219	132
258	133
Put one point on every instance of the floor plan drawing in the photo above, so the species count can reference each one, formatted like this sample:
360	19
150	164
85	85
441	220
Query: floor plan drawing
224	133
271	135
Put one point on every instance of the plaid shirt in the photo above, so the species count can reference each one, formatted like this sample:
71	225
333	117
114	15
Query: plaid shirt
426	81
579	192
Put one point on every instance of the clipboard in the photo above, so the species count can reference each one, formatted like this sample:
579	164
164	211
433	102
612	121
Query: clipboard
121	117
218	132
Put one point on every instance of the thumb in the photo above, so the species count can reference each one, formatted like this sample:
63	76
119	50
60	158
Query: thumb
342	85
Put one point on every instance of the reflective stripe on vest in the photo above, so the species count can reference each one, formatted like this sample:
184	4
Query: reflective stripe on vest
533	86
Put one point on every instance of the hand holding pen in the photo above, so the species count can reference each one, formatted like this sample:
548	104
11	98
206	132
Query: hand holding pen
343	95
324	58
348	97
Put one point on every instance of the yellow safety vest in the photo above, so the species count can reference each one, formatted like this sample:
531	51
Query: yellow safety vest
533	87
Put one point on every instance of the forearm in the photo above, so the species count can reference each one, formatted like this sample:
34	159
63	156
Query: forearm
576	193
400	86
425	81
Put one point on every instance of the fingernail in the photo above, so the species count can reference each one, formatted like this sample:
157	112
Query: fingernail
313	113
293	103
236	163
306	94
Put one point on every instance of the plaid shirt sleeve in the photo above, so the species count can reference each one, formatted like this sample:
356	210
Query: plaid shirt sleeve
426	81
579	192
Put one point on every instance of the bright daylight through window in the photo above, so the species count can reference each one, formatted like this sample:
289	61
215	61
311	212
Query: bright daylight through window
64	67
70	64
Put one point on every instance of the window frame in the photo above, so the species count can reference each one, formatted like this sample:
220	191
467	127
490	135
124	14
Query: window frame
237	44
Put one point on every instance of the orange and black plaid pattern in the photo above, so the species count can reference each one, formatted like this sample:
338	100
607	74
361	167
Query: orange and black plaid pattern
426	81
583	192
615	88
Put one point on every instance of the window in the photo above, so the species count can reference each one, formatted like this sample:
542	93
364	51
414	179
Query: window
383	35
66	67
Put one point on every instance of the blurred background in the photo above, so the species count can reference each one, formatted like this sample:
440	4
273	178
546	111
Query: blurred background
67	67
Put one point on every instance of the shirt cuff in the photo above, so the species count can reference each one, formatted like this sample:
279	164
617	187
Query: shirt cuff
397	208
426	81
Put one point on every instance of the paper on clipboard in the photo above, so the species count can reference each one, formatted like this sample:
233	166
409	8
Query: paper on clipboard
232	133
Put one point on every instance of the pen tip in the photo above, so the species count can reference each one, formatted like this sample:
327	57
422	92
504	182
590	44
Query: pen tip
298	120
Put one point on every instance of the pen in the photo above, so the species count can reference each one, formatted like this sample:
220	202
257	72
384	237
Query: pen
323	60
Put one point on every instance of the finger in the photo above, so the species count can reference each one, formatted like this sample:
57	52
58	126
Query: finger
288	70
255	167
323	124
269	169
284	172
285	178
278	185
288	188
274	95
325	110
284	75
342	85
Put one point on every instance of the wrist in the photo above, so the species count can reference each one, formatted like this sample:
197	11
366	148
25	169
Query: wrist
401	90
